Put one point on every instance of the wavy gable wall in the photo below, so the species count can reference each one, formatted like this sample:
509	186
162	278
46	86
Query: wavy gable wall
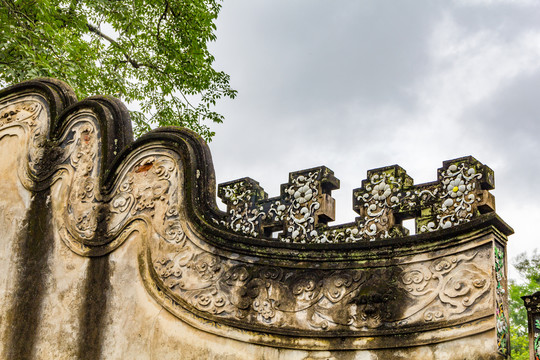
115	249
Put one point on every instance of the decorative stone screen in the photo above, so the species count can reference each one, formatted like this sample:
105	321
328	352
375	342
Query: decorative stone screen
114	248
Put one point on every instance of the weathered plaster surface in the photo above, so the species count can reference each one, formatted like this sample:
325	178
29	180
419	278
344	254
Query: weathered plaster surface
59	327
112	249
14	201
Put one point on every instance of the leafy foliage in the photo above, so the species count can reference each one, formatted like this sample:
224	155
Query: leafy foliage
529	270
152	53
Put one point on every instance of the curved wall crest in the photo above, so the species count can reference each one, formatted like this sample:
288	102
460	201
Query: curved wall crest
367	285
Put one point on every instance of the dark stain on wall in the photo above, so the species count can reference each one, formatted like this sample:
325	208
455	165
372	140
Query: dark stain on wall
92	316
97	284
32	251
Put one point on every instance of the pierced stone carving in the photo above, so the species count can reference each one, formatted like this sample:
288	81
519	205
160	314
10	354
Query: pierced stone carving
304	204
386	198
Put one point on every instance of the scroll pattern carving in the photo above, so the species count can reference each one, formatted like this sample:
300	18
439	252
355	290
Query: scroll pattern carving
292	299
26	114
386	198
81	162
147	190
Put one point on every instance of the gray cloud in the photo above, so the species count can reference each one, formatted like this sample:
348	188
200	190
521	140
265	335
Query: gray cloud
357	85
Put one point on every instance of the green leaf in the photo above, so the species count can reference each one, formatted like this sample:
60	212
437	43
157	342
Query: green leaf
528	268
151	54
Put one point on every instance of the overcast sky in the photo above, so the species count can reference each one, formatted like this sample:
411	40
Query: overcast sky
356	85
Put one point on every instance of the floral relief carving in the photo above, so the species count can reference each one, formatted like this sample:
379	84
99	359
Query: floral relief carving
296	210
378	196
386	197
302	194
243	217
458	197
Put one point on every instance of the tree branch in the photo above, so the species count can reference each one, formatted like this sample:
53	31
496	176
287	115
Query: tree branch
133	62
98	32
161	18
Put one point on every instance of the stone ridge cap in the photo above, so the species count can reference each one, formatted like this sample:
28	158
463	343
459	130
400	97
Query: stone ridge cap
114	126
58	94
347	252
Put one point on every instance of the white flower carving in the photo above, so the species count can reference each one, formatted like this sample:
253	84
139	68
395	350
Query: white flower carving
381	191
456	187
303	194
501	326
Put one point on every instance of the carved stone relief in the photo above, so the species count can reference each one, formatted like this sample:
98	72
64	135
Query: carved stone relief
29	116
385	198
320	301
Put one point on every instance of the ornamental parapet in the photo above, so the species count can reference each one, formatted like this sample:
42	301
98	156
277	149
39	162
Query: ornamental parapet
267	273
387	197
